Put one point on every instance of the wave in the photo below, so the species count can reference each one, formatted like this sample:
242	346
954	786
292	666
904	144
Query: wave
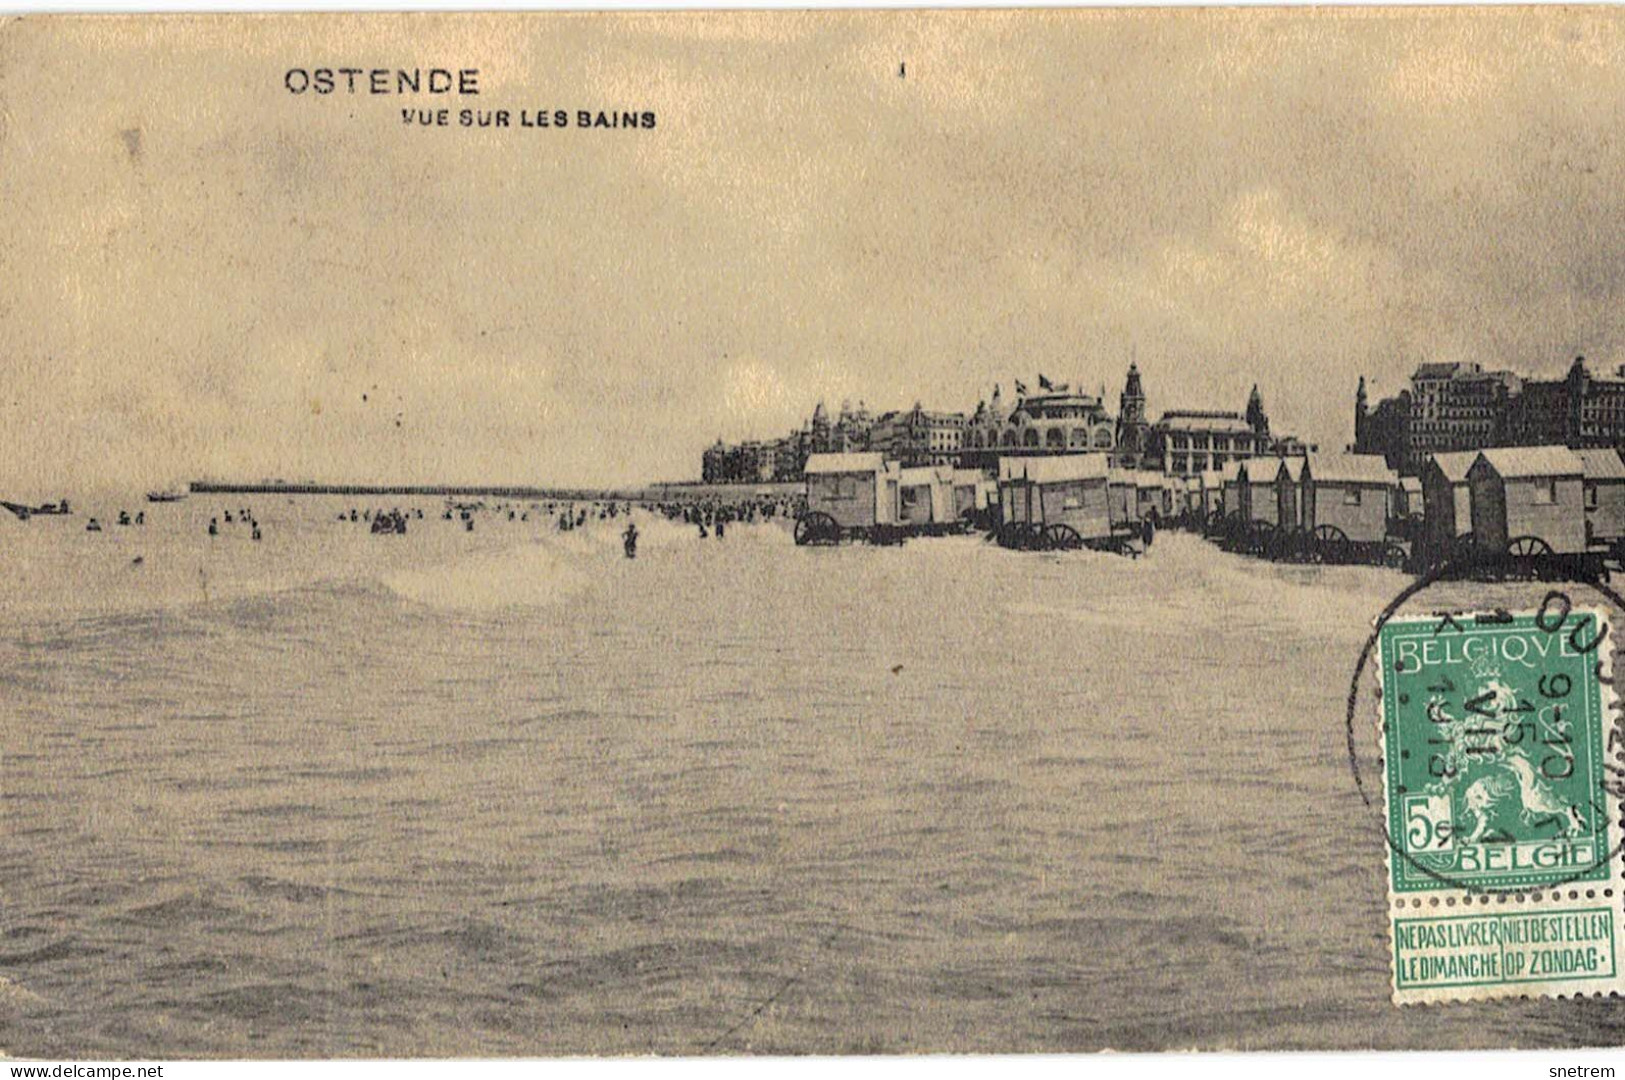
553	568
528	576
69	581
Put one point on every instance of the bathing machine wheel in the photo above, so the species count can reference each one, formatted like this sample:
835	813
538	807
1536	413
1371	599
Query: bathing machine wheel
817	529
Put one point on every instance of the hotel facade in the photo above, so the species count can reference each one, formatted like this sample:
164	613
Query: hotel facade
1462	406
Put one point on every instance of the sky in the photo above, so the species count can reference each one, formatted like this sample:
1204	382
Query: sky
203	274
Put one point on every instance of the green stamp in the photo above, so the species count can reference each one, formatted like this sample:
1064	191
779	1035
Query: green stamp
1493	740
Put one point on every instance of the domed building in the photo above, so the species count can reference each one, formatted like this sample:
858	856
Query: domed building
1056	420
983	430
818	430
853	428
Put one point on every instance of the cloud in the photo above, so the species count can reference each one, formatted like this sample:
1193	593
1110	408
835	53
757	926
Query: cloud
1289	197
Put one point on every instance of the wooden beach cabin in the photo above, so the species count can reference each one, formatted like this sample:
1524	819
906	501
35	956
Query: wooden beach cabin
1230	490
1257	489
849	495
1408	501
1124	497
1064	496
1289	494
1447	504
926	496
1212	491
973	493
1346	498
1012	491
1527	501
1150	495
1603	477
1014	508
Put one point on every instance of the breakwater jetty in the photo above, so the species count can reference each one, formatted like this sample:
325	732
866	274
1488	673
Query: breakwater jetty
225	487
647	493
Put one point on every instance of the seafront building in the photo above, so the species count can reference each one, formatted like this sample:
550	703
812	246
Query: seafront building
915	437
1187	442
918	437
1054	419
1463	406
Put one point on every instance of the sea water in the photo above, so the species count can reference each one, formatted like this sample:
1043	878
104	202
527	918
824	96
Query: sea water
509	792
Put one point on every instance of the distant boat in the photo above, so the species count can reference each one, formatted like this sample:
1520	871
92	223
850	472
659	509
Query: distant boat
26	512
172	495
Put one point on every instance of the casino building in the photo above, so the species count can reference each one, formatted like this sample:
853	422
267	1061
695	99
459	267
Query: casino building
1057	420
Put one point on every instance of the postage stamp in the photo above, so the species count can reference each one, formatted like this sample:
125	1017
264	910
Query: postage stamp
1502	805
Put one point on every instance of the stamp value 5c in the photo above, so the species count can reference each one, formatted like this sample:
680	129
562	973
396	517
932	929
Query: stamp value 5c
1502	806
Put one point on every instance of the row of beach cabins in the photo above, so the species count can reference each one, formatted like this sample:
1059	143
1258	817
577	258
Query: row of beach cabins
1053	503
1544	509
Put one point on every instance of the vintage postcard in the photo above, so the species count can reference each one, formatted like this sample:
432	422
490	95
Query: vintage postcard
811	532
